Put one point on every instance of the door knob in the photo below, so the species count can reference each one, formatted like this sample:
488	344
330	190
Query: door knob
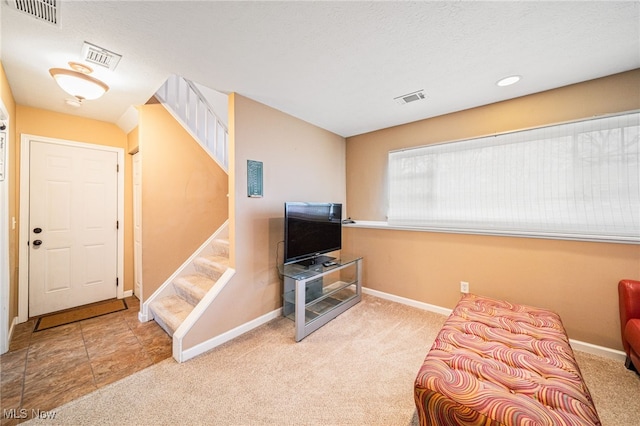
37	230
37	243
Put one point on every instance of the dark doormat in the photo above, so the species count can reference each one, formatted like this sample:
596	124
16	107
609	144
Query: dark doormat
78	314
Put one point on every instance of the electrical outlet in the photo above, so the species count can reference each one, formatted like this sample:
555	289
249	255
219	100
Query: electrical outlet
464	287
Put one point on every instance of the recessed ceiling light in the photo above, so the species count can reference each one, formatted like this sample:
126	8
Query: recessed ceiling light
508	81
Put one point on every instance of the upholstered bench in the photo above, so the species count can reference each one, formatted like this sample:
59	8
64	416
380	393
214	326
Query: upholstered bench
497	363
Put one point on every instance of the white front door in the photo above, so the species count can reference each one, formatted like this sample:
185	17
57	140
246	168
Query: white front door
73	233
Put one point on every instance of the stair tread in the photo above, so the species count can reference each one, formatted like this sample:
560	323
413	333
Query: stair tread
196	280
214	258
171	311
221	246
211	265
193	287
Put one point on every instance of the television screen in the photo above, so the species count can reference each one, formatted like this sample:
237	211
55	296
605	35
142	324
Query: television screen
311	229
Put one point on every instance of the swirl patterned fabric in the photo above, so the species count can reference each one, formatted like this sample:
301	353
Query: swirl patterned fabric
497	363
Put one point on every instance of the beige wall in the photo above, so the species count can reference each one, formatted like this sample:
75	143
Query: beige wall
133	142
576	279
184	195
301	162
39	122
12	145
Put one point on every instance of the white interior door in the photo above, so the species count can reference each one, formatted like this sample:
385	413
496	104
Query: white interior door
72	226
137	225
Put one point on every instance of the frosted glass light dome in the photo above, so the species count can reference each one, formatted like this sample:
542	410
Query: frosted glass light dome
77	81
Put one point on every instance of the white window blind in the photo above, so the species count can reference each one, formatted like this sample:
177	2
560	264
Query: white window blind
577	181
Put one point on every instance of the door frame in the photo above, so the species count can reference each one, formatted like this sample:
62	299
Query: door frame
25	173
136	165
6	323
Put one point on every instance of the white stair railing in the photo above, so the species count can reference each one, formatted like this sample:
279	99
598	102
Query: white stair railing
183	99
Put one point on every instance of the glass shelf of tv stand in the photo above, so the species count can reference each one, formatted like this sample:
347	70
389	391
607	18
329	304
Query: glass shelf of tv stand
313	295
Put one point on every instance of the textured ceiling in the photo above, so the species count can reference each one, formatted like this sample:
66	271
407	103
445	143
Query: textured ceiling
338	65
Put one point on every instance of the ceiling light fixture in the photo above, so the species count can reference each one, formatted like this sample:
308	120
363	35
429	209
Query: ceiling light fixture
508	81
77	81
73	102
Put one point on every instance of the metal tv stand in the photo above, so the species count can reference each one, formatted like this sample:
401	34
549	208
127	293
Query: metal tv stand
315	294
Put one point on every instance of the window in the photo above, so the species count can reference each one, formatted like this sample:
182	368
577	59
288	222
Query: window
578	180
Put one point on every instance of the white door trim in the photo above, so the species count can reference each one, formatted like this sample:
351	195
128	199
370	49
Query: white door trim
136	172
25	159
5	275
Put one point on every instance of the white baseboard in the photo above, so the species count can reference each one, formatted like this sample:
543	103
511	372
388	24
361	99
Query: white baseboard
576	345
602	351
4	347
127	293
408	302
229	335
14	323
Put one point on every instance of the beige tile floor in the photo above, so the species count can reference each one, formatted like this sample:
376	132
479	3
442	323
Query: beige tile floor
46	369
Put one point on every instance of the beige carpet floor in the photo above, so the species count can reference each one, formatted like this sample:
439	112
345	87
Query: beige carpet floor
356	370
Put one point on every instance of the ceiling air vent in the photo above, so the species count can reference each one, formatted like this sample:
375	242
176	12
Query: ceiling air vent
411	97
44	10
99	56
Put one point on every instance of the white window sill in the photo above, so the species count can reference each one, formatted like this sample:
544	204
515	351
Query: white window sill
372	224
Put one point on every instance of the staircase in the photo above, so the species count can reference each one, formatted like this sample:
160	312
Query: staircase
190	287
190	108
184	297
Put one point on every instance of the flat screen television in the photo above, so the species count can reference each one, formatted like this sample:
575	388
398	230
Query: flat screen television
310	230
